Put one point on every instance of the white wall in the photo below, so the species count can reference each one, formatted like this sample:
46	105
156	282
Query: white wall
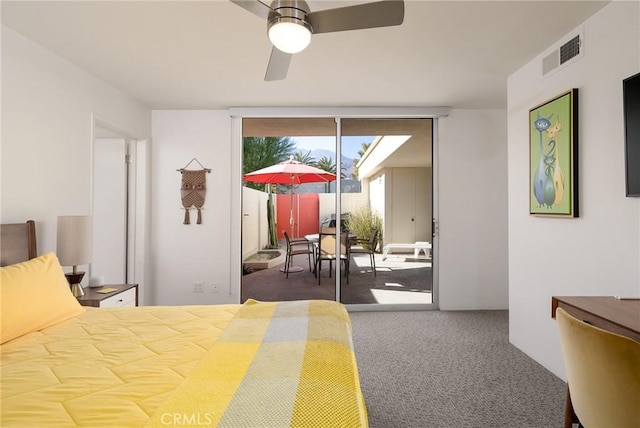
599	252
255	221
349	202
472	253
182	254
46	134
473	256
377	185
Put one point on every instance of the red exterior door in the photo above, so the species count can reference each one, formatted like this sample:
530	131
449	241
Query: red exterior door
306	209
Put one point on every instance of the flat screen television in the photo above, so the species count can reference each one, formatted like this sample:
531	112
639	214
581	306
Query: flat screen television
631	96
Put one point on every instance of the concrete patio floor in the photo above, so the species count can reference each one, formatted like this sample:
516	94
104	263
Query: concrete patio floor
399	279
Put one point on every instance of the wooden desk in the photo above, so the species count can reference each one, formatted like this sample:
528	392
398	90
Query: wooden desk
605	312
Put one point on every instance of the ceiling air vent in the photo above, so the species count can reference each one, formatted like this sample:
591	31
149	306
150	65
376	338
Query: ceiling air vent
568	51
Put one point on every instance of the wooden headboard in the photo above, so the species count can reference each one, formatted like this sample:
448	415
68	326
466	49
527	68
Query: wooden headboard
17	242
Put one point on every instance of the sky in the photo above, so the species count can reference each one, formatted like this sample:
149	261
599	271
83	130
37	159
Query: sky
350	145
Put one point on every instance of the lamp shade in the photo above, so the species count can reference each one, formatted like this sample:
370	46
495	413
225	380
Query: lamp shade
75	240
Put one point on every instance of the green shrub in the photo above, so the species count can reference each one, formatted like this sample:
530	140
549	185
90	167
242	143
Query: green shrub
362	221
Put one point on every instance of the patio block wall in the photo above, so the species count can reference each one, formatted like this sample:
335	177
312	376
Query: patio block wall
255	227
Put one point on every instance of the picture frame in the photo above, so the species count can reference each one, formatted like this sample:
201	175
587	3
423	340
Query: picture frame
553	157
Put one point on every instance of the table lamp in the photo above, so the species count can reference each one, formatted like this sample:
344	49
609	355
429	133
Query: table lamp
75	244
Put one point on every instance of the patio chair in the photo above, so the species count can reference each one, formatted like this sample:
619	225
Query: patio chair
326	250
295	247
365	246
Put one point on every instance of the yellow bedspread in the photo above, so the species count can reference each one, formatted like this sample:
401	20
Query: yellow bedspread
106	367
276	365
253	365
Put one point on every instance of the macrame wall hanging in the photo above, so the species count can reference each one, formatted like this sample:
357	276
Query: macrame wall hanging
193	189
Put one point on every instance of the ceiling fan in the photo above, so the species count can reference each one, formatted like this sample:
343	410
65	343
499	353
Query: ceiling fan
290	24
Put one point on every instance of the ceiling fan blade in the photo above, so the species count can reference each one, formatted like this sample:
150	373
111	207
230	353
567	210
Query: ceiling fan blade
368	15
278	65
256	7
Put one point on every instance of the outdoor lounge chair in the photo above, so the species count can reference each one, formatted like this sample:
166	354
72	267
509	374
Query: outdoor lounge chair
416	247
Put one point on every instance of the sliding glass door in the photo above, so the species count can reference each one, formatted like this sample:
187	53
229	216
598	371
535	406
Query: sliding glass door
386	201
284	208
377	204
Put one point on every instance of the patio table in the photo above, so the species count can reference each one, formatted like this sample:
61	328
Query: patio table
315	237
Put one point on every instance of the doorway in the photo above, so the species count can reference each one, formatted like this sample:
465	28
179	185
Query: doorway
110	209
385	165
270	209
119	201
395	170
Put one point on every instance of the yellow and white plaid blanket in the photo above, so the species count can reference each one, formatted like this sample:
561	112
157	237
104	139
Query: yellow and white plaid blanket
281	364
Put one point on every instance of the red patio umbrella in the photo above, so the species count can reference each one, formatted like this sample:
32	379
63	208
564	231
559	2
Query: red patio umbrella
289	172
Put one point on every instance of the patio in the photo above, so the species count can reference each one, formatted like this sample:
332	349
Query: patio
400	279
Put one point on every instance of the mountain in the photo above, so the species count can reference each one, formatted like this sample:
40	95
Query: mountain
348	165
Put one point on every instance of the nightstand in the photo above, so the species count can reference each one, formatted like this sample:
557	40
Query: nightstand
125	295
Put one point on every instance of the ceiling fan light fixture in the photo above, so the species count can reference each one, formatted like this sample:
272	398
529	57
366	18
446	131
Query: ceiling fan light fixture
289	28
289	37
290	24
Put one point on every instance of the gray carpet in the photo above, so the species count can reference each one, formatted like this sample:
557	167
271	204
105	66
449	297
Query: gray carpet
451	369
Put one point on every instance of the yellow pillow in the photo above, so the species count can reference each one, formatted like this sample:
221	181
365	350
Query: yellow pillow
34	295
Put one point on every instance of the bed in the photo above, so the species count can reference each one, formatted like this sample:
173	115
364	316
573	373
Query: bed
259	364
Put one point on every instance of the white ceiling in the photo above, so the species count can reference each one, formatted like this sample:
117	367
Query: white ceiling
213	54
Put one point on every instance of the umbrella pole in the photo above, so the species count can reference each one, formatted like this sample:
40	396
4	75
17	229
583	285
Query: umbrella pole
293	268
291	221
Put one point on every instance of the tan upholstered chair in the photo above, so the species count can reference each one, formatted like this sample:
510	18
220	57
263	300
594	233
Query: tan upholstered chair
603	372
327	251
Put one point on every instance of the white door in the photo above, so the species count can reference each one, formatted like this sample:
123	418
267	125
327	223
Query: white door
411	205
110	210
423	205
403	200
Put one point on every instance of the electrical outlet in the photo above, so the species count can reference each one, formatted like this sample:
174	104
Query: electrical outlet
198	287
215	287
